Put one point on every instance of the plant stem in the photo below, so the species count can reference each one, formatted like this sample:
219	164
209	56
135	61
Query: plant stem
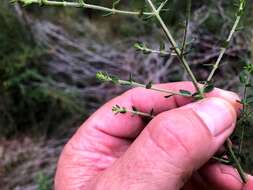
221	160
223	49
162	5
175	47
188	15
241	139
135	84
85	5
117	109
236	161
105	77
244	111
162	53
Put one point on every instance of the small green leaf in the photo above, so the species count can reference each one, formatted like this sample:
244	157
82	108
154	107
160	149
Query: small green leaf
185	93
117	109
114	79
239	101
249	67
103	76
141	12
134	108
243	77
208	88
108	14
225	44
26	2
149	85
115	3
137	46
152	112
197	96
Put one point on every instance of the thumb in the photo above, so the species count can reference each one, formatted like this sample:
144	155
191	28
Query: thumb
174	144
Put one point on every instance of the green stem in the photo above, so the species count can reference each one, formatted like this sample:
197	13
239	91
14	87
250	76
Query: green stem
236	161
221	160
241	139
244	112
223	49
188	15
84	5
163	53
162	5
117	109
175	47
135	84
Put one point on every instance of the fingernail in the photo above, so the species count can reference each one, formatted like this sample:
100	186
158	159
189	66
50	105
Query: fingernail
218	114
232	98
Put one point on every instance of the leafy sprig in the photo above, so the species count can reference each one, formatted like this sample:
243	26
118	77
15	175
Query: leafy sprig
146	50
105	77
82	4
134	111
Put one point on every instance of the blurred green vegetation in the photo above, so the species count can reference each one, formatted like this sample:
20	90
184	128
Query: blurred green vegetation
27	102
44	182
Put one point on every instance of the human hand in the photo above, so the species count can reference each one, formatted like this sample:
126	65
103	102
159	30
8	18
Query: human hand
171	152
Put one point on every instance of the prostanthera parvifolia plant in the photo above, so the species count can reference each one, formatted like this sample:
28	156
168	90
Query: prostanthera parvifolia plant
153	9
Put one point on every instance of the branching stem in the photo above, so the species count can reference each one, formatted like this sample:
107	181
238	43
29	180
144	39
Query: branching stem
82	4
175	47
223	49
135	84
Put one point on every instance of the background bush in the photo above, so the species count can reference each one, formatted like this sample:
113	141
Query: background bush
28	104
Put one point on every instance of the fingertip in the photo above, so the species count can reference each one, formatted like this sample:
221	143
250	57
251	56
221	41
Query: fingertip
221	177
249	185
217	114
231	97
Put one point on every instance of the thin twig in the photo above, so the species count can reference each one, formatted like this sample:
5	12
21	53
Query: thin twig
236	161
223	49
117	109
221	160
142	47
102	76
82	4
162	5
188	16
244	111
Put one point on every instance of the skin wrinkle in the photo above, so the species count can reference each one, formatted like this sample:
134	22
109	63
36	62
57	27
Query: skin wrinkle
93	159
230	174
134	101
105	148
129	140
175	168
175	100
201	120
178	139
